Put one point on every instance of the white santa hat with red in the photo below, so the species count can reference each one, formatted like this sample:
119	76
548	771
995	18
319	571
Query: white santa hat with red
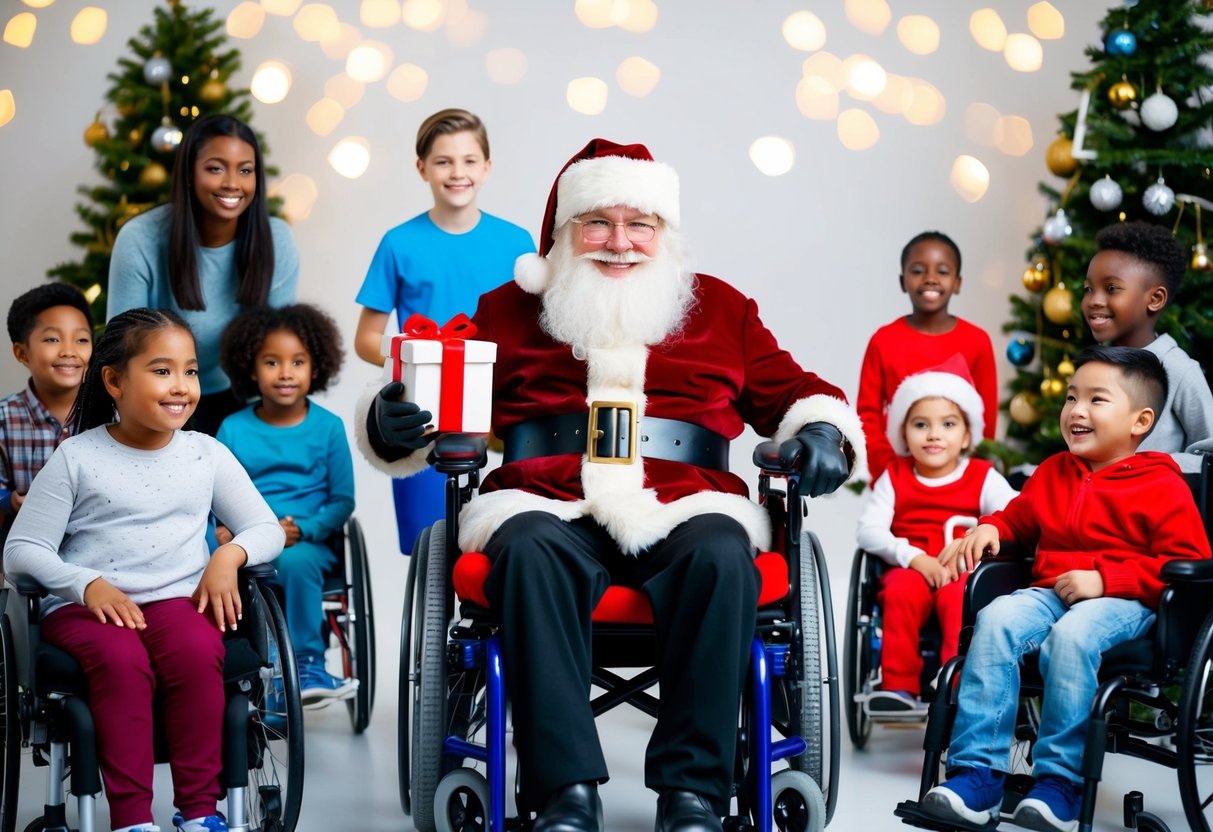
603	174
950	380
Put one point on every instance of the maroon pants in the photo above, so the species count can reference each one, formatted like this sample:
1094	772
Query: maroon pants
906	603
179	655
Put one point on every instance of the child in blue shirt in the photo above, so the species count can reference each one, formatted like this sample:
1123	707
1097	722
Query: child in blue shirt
438	263
297	455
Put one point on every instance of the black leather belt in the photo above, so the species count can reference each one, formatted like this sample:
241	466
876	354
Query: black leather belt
617	437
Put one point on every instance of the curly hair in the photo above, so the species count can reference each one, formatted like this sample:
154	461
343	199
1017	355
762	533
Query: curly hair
247	331
1153	244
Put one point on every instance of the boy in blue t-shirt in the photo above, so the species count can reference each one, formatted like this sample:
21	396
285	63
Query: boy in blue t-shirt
438	264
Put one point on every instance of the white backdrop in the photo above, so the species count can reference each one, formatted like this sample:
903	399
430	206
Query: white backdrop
817	247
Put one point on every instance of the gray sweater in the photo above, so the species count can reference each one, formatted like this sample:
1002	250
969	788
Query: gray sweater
136	518
1185	427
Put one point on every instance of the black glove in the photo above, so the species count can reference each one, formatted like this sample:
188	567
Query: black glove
401	425
817	450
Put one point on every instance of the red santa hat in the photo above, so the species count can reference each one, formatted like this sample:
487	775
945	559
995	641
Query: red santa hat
950	380
602	174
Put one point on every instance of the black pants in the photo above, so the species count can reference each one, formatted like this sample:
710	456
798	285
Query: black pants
546	578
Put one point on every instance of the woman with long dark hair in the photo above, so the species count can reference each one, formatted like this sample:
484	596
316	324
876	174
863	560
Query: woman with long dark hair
212	251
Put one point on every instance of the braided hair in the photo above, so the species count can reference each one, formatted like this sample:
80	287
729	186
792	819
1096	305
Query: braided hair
124	337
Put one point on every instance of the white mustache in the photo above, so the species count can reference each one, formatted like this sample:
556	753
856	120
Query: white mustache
604	256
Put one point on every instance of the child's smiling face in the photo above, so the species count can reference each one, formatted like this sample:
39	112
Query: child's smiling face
1121	299
930	276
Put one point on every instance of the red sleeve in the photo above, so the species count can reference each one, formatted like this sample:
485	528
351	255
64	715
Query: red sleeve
1019	521
1178	532
870	404
985	379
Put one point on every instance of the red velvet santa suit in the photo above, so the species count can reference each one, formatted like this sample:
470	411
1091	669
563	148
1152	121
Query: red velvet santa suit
920	516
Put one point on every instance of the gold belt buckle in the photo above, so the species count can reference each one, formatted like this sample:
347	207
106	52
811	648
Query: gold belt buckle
595	434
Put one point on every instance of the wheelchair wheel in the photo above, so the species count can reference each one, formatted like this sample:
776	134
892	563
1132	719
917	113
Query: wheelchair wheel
798	709
429	687
461	802
1194	740
404	695
360	629
10	730
857	652
796	802
275	788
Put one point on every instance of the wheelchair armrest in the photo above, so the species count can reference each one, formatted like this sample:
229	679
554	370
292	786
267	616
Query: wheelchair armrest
460	453
996	575
26	585
1188	571
766	458
259	571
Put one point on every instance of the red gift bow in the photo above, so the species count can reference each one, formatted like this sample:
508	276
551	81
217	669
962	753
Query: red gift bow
452	335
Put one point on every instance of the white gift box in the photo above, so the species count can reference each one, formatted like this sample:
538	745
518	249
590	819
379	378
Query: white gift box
421	367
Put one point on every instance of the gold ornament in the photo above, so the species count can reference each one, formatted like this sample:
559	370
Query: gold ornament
1122	94
1065	369
153	176
1058	304
1059	158
136	135
1052	387
1038	275
1200	258
96	133
1023	409
213	91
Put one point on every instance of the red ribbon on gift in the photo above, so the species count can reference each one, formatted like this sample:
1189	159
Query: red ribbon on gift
452	335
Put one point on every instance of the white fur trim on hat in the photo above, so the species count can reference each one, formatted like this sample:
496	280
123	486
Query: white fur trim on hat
607	181
533	273
933	384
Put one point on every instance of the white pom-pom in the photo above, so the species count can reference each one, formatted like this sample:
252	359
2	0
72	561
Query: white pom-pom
532	273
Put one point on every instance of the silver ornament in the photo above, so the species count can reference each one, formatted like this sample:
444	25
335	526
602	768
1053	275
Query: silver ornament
1056	228
166	137
1106	194
1158	198
1158	112
157	70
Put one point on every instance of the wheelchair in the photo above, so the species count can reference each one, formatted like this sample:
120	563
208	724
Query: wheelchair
349	619
452	720
863	638
1154	701
44	706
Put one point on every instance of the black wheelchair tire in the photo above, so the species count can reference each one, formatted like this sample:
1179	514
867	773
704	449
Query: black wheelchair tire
404	691
10	732
430	682
856	656
1191	742
360	705
805	695
289	739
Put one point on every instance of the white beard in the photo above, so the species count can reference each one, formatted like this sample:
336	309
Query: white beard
585	309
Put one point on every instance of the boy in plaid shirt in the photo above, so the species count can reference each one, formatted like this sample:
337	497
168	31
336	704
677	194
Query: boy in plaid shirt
51	328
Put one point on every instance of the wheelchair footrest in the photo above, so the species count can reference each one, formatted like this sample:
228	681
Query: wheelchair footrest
911	813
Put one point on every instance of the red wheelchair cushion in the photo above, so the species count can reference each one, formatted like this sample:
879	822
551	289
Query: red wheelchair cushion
620	604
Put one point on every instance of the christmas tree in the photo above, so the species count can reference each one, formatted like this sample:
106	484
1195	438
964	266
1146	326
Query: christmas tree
1138	147
178	71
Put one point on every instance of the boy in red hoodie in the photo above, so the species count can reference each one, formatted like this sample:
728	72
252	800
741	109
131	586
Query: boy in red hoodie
1102	519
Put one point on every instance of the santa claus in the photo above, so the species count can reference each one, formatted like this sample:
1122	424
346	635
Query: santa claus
608	333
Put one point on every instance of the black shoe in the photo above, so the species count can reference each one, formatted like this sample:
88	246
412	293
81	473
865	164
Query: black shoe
686	812
574	808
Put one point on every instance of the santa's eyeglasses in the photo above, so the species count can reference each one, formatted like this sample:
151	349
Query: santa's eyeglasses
597	230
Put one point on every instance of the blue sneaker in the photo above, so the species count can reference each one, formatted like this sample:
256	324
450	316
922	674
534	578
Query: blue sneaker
210	823
1052	805
318	688
972	795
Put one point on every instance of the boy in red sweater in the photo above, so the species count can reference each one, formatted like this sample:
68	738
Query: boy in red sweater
1102	519
928	336
930	489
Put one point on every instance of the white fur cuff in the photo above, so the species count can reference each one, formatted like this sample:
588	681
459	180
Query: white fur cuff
836	412
414	463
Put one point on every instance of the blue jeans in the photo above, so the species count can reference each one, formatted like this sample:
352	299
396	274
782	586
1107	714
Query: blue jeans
301	570
1070	641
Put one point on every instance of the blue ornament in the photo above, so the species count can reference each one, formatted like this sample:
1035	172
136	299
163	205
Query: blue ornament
1020	352
1122	43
